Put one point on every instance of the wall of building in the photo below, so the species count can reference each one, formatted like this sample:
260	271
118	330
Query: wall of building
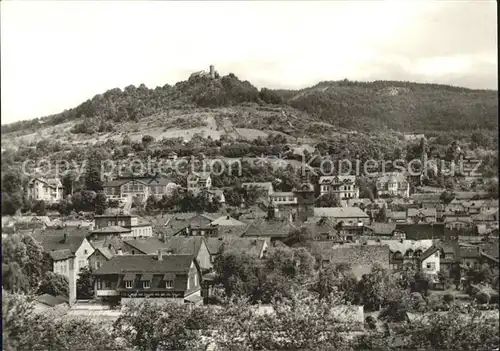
204	257
82	255
433	260
96	260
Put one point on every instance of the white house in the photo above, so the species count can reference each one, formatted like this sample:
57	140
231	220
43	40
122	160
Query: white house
49	190
65	247
142	187
430	261
283	198
343	186
393	184
198	181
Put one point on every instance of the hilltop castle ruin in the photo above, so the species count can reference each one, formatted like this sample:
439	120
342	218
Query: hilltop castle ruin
212	74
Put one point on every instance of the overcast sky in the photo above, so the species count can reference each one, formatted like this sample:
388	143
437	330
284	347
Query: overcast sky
55	55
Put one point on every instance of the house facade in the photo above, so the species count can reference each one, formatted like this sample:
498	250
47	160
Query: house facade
49	190
141	187
430	261
393	185
69	251
133	227
171	277
283	198
347	215
199	181
344	187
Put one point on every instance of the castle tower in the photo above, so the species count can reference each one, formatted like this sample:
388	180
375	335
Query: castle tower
212	72
305	199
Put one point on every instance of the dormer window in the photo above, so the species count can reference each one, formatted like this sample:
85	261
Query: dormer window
128	284
146	284
169	284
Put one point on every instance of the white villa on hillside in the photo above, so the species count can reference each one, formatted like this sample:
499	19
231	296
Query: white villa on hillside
49	190
343	186
393	184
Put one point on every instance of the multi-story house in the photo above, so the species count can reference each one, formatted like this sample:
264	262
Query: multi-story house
283	198
458	222
66	248
49	190
130	226
393	185
141	187
343	186
198	181
347	215
429	262
406	252
265	188
421	215
168	277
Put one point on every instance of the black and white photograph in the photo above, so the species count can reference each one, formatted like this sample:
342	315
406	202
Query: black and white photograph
249	175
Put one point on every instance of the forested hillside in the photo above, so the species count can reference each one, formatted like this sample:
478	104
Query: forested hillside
379	105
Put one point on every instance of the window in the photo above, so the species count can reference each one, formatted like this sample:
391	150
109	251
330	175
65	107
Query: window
169	284
196	280
431	265
81	263
85	252
128	284
188	283
97	264
146	284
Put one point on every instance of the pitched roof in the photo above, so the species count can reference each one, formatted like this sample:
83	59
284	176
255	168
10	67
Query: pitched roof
53	239
454	218
340	212
392	177
320	225
396	215
422	230
60	255
148	246
361	258
404	245
182	245
425	212
103	247
382	228
429	252
469	252
146	263
265	185
250	246
261	227
227	221
282	193
337	179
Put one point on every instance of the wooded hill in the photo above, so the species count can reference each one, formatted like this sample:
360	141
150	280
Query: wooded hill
362	106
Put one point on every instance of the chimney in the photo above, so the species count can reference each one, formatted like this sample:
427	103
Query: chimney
160	255
212	71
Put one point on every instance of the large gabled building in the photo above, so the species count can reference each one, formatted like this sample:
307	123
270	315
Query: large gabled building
174	278
142	187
